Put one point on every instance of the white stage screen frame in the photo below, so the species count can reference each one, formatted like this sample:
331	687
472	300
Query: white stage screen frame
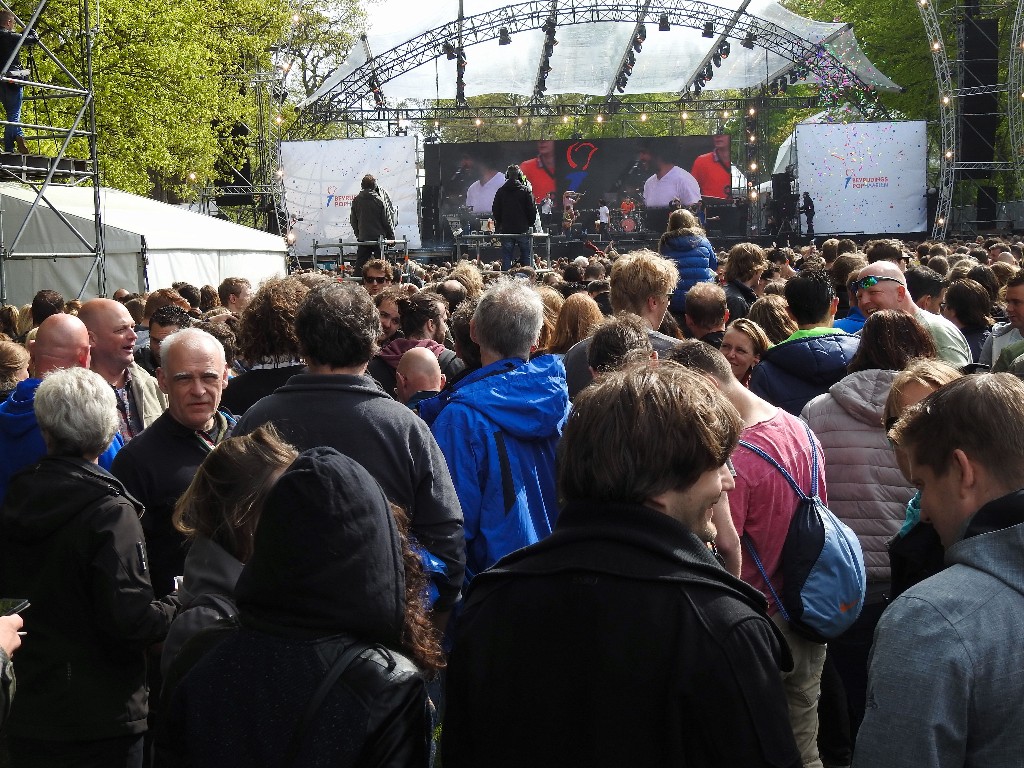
864	177
322	177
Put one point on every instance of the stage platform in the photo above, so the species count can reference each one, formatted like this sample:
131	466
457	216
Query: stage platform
34	168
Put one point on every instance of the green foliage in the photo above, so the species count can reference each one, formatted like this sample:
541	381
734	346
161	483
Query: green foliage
165	75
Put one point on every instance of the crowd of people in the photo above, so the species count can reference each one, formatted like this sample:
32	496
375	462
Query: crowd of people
532	515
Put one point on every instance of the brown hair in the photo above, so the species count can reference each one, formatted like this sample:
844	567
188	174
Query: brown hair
971	303
267	328
621	341
9	320
13	357
745	261
161	298
230	286
701	356
553	303
579	316
771	313
224	499
752	331
638	276
889	340
636	433
706	304
981	415
928	372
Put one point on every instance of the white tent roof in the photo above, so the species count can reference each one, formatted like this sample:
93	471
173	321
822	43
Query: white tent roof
587	57
148	244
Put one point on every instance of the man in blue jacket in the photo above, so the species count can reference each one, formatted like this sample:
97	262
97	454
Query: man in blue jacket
62	341
498	428
815	356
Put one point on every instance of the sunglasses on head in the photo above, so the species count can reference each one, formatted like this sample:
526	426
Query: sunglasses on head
872	280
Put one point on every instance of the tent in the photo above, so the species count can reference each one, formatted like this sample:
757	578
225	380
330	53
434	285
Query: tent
148	244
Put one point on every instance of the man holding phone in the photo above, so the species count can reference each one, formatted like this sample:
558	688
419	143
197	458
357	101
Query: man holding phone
10	639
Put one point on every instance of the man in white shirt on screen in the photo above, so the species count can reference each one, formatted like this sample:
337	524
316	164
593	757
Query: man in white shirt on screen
480	195
668	181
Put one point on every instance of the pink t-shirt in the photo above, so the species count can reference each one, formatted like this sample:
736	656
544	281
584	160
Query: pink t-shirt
762	502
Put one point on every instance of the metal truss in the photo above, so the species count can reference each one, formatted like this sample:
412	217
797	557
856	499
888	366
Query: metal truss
347	95
1015	90
72	85
947	116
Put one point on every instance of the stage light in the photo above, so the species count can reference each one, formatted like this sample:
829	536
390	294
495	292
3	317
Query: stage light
945	100
290	238
936	46
685	116
748	41
663	25
783	84
519	121
753	194
753	165
278	119
709	29
600	118
941	222
279	173
449	51
503	37
751	139
751	111
949	154
437	124
192	176
638	44
643	117
725	114
725	49
716	59
296	18
630	58
478	122
709	71
565	119
641	32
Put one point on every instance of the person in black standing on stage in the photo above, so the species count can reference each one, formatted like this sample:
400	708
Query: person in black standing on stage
514	214
373	216
10	93
807	209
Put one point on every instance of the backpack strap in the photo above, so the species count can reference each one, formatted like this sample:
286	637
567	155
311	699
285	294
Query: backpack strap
333	675
760	567
814	461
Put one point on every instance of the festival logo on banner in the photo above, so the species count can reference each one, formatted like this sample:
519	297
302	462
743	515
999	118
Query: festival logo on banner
865	182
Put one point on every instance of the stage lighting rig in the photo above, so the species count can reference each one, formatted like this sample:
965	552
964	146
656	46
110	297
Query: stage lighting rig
709	71
449	51
716	59
709	29
503	37
663	25
748	41
725	49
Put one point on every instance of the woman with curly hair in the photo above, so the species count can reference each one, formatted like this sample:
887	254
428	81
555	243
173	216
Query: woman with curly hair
267	342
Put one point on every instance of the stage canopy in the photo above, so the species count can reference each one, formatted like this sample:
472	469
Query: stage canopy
404	51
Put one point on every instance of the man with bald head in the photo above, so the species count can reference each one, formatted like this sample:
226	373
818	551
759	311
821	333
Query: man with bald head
882	285
112	338
160	463
62	341
418	376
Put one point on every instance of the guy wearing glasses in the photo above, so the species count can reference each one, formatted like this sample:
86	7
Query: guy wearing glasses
377	275
881	285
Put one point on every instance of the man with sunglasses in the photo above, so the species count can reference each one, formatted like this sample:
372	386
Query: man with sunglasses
881	285
377	275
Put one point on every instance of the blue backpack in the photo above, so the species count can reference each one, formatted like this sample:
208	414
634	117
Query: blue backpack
823	574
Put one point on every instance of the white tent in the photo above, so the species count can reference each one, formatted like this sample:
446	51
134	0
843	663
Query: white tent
148	244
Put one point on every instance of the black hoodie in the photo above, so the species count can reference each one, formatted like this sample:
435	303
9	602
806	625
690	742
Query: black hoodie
71	543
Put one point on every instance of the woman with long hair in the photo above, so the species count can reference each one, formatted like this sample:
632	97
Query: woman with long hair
218	513
578	318
743	344
771	312
687	245
967	306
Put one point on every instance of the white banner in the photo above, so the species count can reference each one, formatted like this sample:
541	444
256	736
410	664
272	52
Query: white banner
322	177
864	177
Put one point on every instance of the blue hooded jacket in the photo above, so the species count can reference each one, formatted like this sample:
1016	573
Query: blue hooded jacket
796	371
498	428
695	259
21	442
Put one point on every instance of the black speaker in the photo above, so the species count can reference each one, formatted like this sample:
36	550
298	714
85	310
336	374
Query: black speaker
988	197
979	113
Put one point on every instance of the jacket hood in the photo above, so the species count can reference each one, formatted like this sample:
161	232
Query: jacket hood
208	569
17	413
44	497
392	353
862	395
818	360
683	240
528	400
995	539
327	555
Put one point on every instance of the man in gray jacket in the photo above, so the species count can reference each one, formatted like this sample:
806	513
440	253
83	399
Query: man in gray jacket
944	682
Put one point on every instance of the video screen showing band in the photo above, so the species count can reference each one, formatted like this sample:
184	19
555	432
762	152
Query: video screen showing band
637	179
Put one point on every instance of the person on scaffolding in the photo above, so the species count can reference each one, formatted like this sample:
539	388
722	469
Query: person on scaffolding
11	92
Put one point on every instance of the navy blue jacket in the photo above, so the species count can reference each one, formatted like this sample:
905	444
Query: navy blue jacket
796	371
695	259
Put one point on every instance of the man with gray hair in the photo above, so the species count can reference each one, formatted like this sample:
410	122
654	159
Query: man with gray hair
164	458
498	428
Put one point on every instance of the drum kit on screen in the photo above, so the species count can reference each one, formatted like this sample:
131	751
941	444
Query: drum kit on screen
629	216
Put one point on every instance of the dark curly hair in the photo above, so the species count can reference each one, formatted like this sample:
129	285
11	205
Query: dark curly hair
268	323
